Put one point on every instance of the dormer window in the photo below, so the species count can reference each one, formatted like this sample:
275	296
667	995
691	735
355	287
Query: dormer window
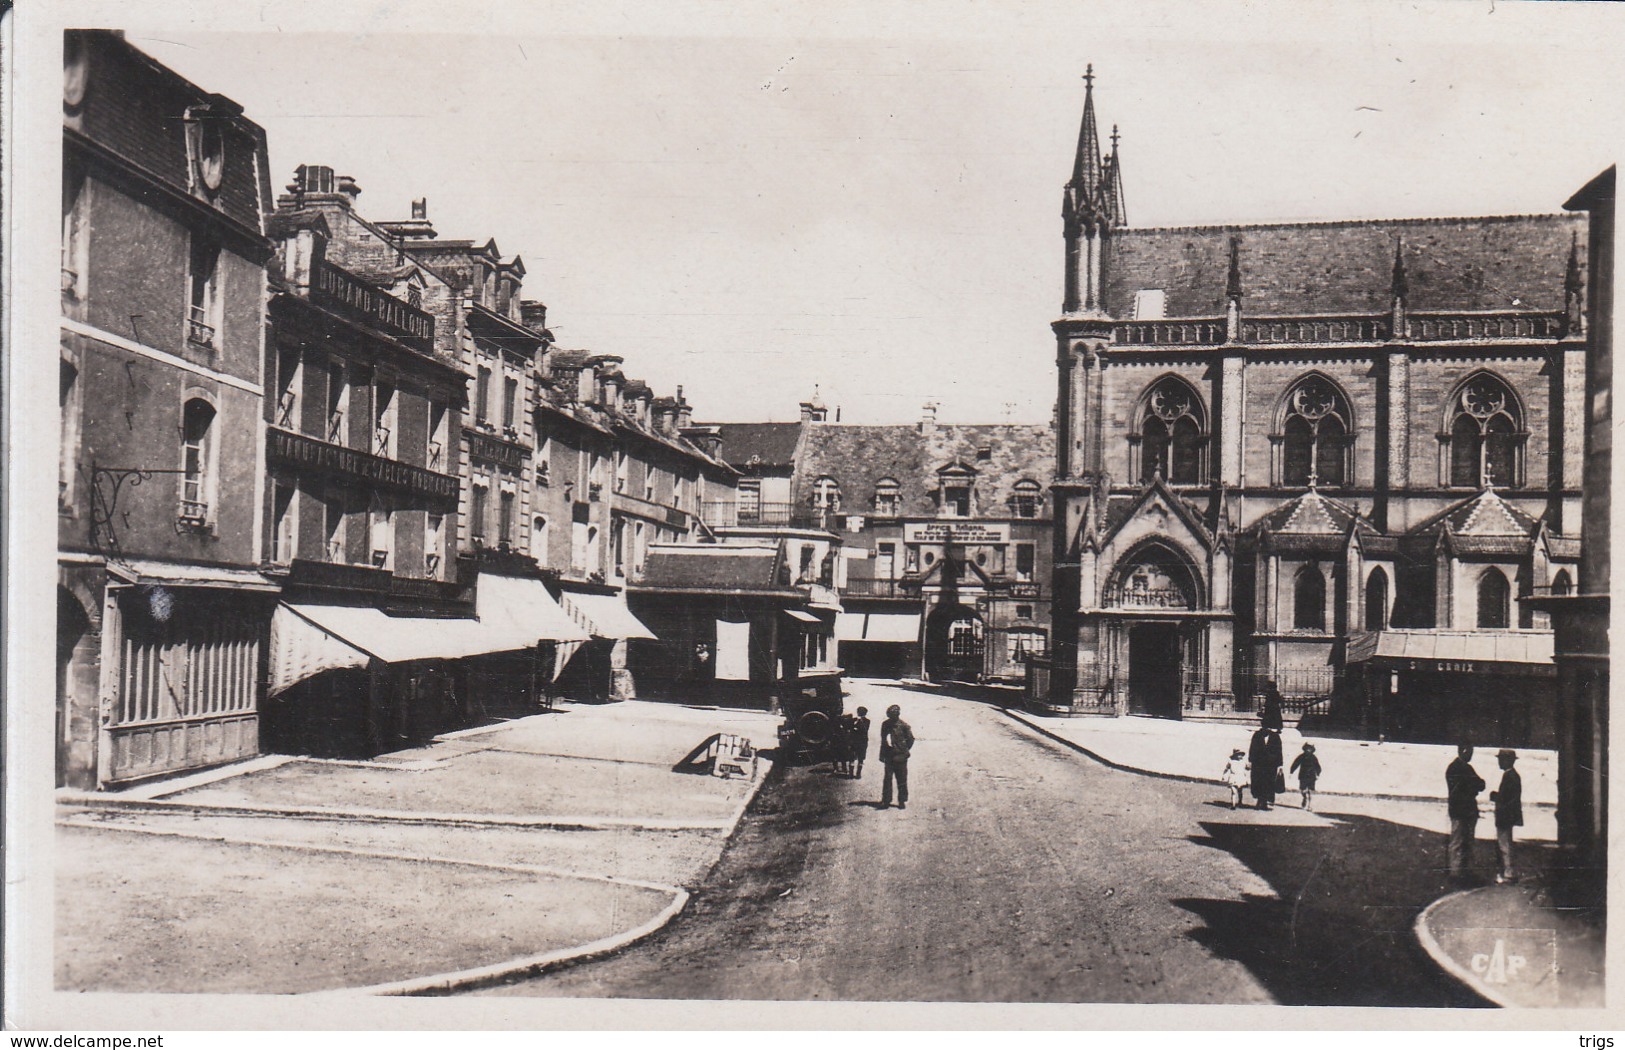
886	498
826	496
1027	499
956	496
205	151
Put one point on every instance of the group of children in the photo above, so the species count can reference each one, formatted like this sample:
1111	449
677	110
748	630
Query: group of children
850	744
1237	774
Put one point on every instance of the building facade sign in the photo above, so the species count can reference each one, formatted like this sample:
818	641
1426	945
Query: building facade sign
967	532
308	452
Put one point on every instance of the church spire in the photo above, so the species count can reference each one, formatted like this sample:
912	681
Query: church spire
1090	207
1086	167
1115	210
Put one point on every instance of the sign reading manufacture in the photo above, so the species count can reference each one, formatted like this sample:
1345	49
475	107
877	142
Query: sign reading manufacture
970	532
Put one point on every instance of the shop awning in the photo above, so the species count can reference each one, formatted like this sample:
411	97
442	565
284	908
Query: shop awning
522	609
804	617
604	615
513	614
878	627
172	574
1463	651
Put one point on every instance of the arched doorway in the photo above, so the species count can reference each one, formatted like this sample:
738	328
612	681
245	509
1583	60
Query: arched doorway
953	644
1155	588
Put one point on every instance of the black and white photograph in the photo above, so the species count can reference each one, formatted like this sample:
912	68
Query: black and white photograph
602	517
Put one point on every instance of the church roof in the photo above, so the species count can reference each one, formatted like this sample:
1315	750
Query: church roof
1483	515
1311	514
1507	262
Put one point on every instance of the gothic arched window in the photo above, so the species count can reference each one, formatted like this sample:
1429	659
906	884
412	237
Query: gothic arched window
1309	600
1376	600
1494	595
1485	434
1315	434
1171	434
1562	584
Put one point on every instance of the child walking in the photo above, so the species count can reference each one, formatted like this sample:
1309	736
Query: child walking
1235	775
1307	766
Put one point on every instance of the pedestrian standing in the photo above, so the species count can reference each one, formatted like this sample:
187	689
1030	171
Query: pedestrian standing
840	744
1266	758
860	741
1307	766
1463	785
1235	772
896	744
1508	799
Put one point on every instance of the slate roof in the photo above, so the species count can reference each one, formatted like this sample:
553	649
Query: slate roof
859	457
768	444
1310	513
1485	514
135	106
1494	263
712	568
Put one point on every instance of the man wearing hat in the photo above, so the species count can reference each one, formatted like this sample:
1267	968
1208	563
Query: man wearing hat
1463	784
1508	799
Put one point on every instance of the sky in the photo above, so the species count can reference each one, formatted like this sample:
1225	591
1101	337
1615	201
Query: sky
756	200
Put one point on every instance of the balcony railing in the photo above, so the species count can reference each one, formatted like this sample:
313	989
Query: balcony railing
347	294
727	515
1370	328
1314	330
301	451
872	587
193	514
198	329
1170	333
1440	327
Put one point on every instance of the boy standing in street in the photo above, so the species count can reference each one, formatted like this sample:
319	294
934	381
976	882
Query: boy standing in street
1508	799
1307	766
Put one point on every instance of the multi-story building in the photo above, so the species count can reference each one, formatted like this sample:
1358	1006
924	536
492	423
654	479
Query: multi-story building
1328	456
945	534
615	478
161	611
396	498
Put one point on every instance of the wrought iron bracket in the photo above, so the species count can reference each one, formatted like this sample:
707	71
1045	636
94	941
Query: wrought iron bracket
106	484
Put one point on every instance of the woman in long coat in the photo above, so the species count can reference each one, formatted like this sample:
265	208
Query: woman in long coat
1266	758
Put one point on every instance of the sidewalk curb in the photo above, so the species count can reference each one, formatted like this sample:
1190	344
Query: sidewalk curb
1442	959
244	809
526	966
547	962
1185	778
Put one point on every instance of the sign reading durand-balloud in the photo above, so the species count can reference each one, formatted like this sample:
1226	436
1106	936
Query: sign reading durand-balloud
955	532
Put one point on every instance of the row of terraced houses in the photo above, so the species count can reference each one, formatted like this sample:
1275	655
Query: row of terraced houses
328	484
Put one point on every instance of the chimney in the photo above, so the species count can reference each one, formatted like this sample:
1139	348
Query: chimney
685	411
928	418
417	228
814	410
587	383
347	186
533	314
612	389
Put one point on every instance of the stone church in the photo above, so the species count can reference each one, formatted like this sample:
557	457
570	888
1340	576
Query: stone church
1332	456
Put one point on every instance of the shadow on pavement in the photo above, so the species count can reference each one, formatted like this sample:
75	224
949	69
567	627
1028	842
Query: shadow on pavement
1339	930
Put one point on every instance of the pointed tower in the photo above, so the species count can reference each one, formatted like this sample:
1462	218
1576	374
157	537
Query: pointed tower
1086	210
1574	292
1116	210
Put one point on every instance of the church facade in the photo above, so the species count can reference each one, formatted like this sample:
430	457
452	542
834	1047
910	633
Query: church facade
1329	459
